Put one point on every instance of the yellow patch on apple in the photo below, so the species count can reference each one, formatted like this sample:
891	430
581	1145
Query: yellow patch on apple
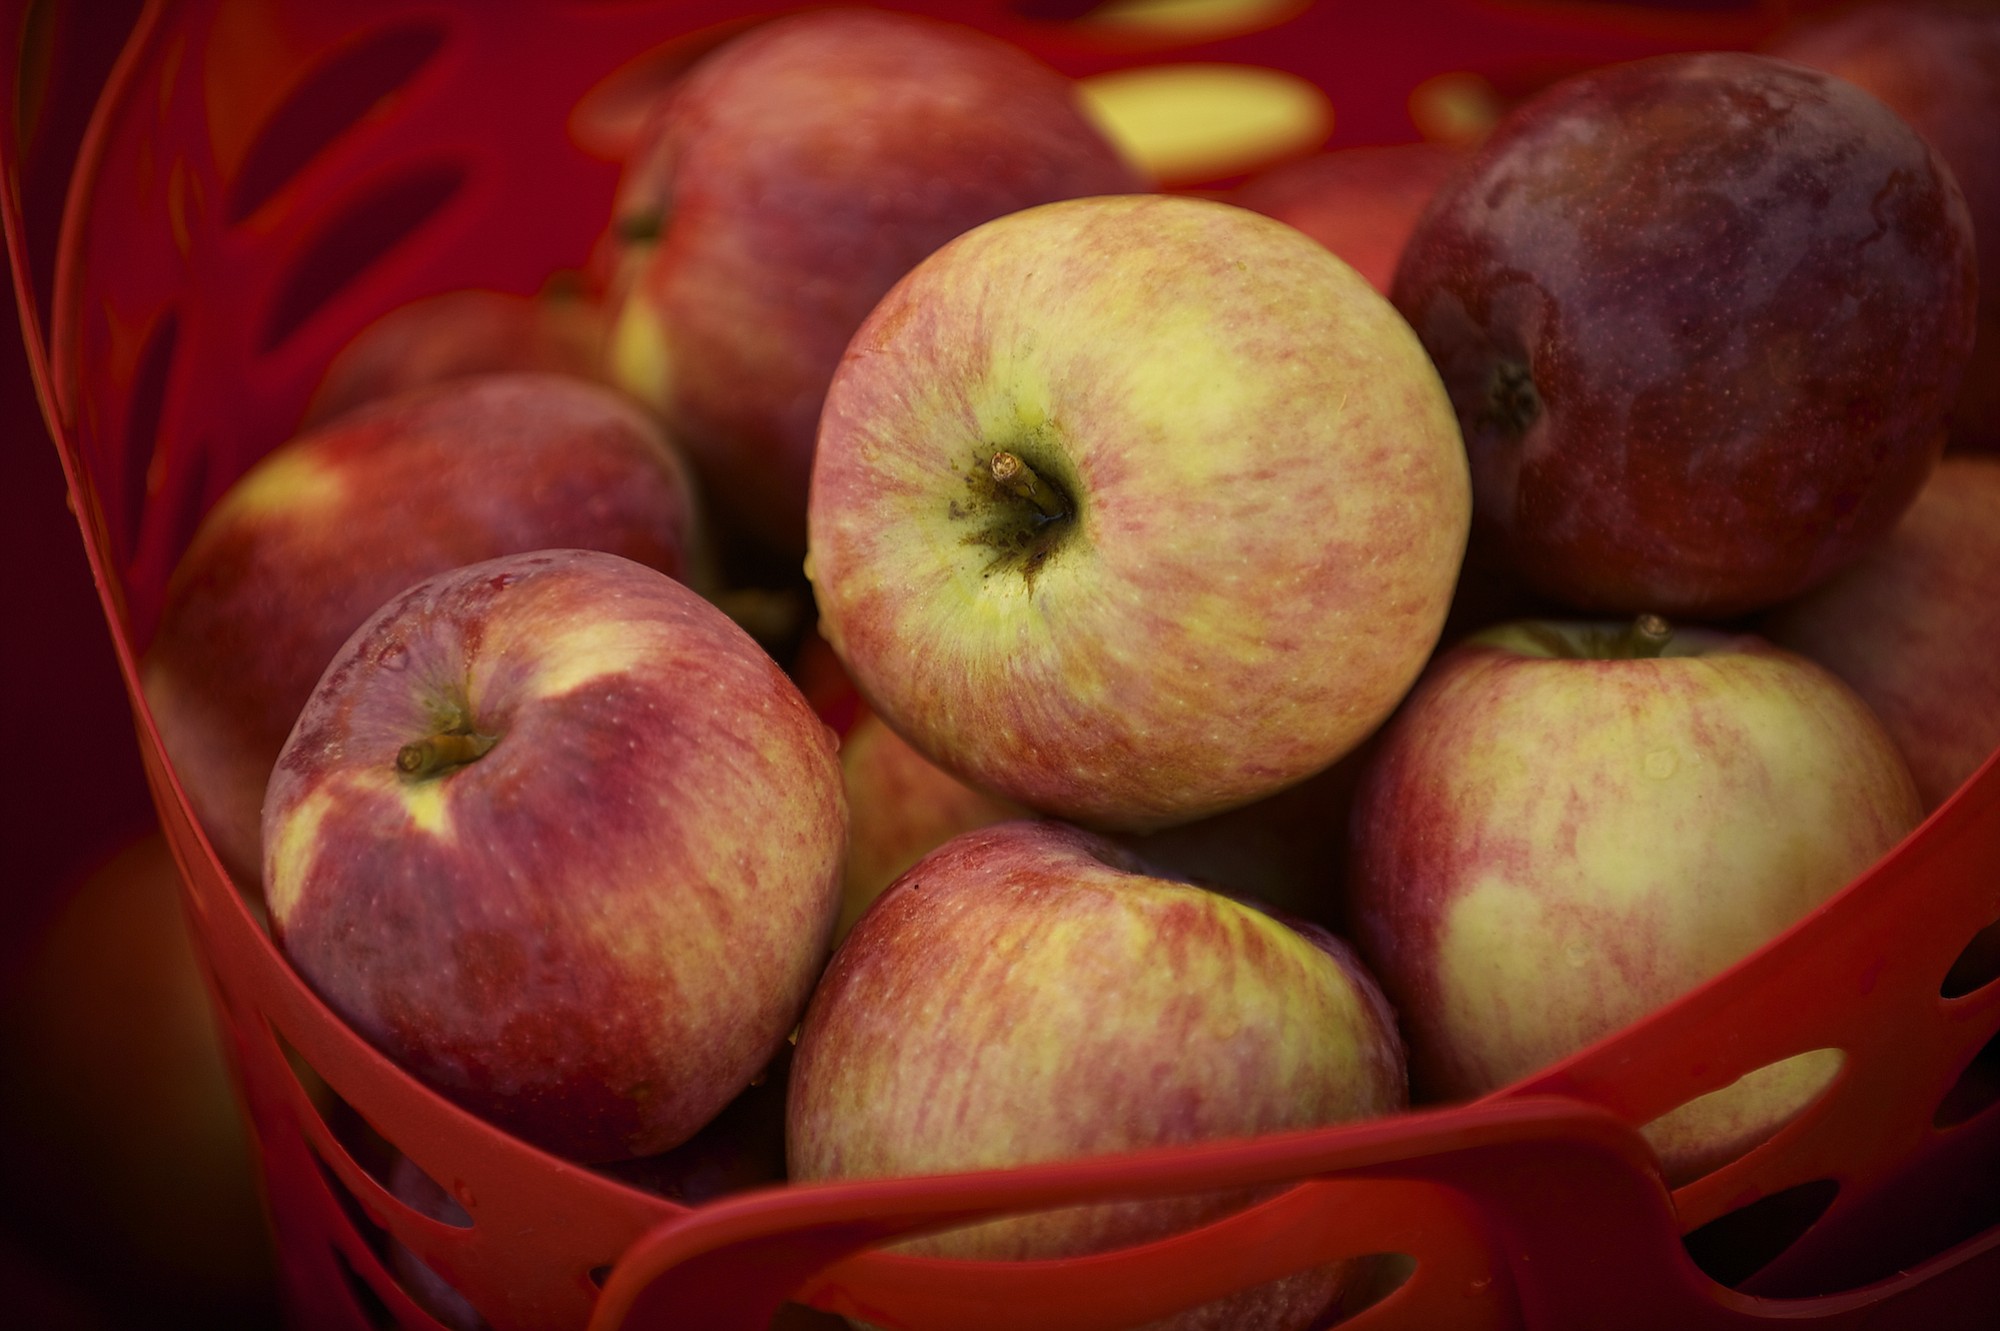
289	481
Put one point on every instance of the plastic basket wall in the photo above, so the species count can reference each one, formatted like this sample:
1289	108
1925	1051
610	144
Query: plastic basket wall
263	178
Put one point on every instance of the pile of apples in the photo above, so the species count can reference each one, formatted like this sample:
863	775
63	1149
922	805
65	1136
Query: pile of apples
1277	687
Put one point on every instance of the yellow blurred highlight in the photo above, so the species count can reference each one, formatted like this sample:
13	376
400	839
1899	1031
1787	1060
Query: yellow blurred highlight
1457	108
1189	20
1185	124
288	481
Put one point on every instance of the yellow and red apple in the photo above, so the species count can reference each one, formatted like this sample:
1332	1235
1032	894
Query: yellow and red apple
1134	509
557	836
1030	992
1570	824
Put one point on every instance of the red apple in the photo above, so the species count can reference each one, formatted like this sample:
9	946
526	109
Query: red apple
1914	627
1132	510
557	836
1361	203
901	806
458	333
1936	63
787	181
1570	824
1028	992
1703	318
326	528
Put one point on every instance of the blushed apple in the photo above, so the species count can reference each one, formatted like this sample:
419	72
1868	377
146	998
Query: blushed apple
1936	63
458	333
901	806
558	837
1287	850
1703	318
316	536
1569	824
1029	992
1361	203
1914	626
1135	509
788	179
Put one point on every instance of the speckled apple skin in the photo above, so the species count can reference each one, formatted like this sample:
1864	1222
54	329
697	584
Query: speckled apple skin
1271	505
798	172
1546	848
1914	626
316	536
1744	293
596	934
1029	992
1937	64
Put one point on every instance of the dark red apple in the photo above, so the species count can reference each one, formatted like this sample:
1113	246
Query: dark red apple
1703	318
788	180
1937	64
459	333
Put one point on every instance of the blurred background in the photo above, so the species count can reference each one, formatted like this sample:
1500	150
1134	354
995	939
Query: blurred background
126	1194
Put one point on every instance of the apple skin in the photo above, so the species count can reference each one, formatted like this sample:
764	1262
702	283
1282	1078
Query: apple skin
1936	63
1287	850
1703	318
1914	626
322	531
793	175
598	932
901	806
1030	992
1361	203
1264	501
459	333
1546	846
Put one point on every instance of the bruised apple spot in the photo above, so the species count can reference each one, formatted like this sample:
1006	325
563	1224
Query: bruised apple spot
293	851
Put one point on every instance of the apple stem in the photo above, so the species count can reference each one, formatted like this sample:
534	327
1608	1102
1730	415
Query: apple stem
1017	477
1648	636
451	748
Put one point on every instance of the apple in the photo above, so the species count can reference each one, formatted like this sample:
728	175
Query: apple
901	806
1029	992
317	535
1287	849
786	181
1135	509
1914	627
554	834
1361	202
1703	318
457	333
125	1157
1936	63
1571	823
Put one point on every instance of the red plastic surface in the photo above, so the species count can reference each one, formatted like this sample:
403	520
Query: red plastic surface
265	177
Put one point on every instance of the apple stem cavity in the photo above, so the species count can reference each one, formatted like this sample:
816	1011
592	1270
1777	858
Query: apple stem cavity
1647	637
446	749
1013	475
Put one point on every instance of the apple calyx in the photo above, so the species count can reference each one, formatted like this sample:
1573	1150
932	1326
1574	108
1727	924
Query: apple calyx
454	747
1512	401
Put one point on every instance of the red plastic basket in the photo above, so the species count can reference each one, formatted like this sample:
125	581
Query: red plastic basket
263	177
